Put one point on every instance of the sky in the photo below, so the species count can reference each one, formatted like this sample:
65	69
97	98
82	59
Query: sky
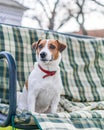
93	21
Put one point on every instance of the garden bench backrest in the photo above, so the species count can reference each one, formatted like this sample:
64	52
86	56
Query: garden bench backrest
82	65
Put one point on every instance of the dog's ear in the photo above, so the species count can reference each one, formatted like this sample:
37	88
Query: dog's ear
35	44
61	46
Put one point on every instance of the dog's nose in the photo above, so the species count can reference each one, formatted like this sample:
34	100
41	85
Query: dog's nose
43	54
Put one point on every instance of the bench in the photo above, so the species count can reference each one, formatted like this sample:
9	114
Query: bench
82	71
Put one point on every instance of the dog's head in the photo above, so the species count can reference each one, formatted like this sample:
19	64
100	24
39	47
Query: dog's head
48	50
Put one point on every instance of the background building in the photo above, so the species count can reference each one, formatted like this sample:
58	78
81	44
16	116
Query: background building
95	33
11	12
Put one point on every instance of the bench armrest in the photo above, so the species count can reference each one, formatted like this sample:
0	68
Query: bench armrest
12	85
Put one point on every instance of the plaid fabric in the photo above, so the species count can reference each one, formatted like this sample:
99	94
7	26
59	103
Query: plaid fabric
83	76
59	121
77	120
88	119
22	118
65	121
82	63
68	106
82	72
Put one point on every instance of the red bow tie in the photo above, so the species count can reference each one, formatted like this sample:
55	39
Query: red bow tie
48	73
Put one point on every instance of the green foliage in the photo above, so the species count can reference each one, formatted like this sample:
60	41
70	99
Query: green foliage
7	128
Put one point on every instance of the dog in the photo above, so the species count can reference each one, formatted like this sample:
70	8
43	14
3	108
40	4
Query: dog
41	92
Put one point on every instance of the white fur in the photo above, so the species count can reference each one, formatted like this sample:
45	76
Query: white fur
45	49
43	94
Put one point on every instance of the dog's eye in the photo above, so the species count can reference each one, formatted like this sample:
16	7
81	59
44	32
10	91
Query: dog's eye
52	46
40	46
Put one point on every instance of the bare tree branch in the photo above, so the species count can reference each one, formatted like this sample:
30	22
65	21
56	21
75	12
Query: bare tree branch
56	3
51	14
48	5
44	8
64	21
97	2
80	15
52	19
38	20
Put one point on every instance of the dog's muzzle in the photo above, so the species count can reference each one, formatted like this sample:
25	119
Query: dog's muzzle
43	55
45	58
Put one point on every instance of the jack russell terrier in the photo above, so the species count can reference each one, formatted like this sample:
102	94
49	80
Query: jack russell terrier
42	91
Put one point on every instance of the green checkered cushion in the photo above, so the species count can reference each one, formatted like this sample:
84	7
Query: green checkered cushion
69	106
82	66
64	121
22	118
93	120
82	69
18	43
76	120
4	81
59	121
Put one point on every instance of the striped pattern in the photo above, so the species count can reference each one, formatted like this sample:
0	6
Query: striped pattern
59	121
22	118
82	66
64	121
83	116
82	72
84	69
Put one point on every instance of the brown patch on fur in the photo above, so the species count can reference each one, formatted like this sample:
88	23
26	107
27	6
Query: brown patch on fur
26	84
54	46
61	46
54	51
35	44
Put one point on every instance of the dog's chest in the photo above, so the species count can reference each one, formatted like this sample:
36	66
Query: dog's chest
45	96
45	89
